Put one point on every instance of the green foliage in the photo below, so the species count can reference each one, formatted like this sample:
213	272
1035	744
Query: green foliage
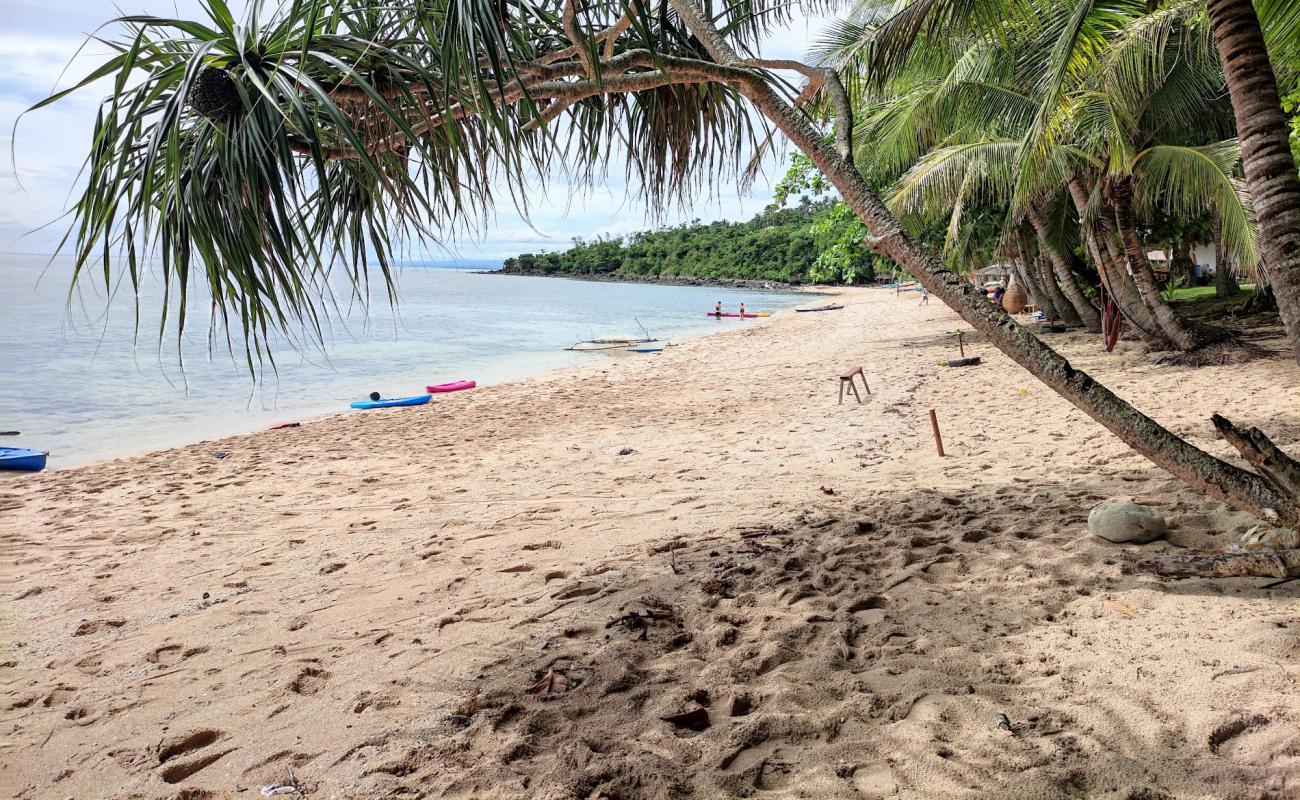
840	234
780	244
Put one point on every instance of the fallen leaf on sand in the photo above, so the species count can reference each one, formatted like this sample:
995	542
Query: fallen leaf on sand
552	683
1120	608
696	719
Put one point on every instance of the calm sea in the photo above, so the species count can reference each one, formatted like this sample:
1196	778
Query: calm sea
78	380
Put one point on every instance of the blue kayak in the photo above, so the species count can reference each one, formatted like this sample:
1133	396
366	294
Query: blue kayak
418	400
22	458
645	349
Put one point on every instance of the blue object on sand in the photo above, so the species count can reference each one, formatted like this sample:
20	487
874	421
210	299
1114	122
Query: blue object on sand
22	458
417	400
645	349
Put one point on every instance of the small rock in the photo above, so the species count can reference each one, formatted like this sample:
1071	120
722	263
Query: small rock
1123	521
626	451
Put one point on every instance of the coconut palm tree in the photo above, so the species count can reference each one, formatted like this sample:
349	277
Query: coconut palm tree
260	153
1262	128
1243	47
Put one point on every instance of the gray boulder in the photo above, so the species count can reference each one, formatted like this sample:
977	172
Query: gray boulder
1124	521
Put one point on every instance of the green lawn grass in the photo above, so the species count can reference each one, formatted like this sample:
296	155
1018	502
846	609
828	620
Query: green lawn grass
1195	294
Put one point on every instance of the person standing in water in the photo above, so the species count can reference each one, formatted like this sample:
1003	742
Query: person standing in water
717	309
742	310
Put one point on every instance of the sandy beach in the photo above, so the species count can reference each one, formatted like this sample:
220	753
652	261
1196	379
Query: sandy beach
684	575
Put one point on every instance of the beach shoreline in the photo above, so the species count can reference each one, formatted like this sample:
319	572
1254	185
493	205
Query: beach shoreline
688	574
118	396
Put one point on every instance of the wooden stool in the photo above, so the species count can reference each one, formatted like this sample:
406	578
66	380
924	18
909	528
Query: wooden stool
848	378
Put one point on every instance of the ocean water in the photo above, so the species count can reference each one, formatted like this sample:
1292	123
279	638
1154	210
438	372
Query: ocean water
77	379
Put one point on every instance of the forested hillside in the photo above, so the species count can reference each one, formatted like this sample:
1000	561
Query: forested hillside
780	244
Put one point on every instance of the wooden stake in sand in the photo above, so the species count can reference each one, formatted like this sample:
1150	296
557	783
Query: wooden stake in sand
961	347
934	426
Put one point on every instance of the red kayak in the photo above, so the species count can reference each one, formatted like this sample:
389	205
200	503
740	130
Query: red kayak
454	386
747	316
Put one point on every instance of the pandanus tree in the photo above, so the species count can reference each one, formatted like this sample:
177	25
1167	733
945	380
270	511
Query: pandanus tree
347	128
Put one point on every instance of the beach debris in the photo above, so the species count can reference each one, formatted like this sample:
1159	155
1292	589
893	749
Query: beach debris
1267	537
1120	608
697	719
656	611
826	490
552	683
1124	521
626	451
220	454
1282	564
971	361
1003	723
10	433
282	425
291	786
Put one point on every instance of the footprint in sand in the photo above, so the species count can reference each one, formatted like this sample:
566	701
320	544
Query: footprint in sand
171	654
58	695
177	747
875	780
310	681
81	715
90	626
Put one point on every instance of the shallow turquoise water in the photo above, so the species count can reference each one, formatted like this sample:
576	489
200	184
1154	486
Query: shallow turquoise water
78	382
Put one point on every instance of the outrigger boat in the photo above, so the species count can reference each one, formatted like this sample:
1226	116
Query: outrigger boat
609	343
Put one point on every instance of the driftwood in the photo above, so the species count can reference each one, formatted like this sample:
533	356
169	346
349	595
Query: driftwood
1263	564
1269	461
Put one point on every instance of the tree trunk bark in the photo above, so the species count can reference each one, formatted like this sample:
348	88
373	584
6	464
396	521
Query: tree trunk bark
1028	276
1179	331
1064	309
1084	311
1101	244
1233	485
1265	151
1225	283
1181	263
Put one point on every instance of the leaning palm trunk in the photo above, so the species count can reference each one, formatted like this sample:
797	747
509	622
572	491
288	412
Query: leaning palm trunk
1084	312
1181	332
1265	152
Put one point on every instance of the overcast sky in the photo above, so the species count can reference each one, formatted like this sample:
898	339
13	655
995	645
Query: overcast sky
39	39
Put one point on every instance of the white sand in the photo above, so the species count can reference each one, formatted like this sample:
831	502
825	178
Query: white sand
383	587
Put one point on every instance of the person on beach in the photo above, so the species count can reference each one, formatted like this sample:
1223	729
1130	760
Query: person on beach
925	296
998	291
742	310
717	309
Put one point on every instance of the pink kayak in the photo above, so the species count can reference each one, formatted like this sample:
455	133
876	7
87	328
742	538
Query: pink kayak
454	386
734	314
